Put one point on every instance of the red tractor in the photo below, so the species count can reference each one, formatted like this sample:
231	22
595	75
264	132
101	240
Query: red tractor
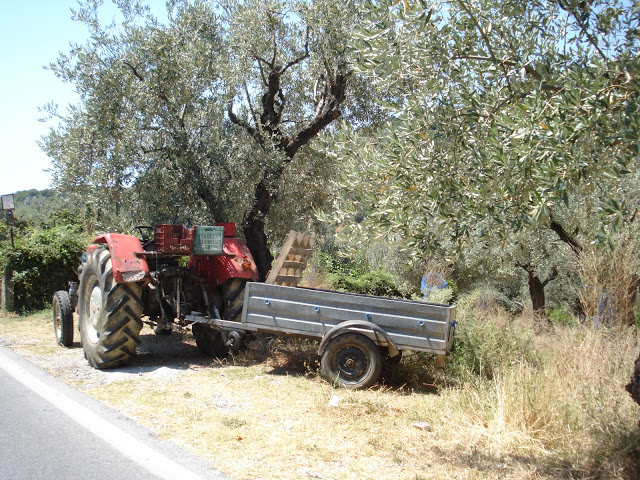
180	276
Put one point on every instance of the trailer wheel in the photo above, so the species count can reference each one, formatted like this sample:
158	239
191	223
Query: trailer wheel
109	313
352	361
209	341
62	318
233	296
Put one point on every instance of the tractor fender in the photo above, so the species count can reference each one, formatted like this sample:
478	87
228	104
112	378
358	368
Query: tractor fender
127	267
349	325
235	262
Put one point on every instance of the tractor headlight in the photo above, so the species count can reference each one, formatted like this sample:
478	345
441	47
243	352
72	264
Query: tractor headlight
130	277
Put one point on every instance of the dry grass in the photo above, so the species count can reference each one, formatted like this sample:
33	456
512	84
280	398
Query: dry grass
266	414
33	333
609	284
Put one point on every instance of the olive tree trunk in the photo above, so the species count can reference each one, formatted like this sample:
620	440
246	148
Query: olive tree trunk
633	387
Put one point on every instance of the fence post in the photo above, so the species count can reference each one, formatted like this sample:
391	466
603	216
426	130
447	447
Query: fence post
7	291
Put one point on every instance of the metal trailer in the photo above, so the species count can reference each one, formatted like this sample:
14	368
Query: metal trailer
356	332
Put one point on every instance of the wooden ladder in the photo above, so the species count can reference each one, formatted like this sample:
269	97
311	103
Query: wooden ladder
292	260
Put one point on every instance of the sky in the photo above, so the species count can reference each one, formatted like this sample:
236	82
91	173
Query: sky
32	34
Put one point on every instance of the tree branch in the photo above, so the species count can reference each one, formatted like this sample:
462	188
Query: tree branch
262	75
529	70
235	120
302	57
275	49
594	41
552	276
253	113
270	118
484	36
261	60
153	150
332	100
576	248
320	101
134	71
479	28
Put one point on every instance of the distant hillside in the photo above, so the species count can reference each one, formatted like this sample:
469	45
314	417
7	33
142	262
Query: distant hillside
39	204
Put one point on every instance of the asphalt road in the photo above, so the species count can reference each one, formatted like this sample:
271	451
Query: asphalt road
51	431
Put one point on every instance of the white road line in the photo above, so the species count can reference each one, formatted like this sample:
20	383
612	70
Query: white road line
148	458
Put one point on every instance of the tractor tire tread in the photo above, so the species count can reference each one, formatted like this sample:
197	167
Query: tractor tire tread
121	315
63	328
234	298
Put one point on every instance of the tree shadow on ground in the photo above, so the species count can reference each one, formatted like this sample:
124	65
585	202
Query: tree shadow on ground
535	466
299	357
280	356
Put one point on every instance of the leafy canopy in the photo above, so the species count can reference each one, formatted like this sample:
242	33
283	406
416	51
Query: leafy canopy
506	114
179	118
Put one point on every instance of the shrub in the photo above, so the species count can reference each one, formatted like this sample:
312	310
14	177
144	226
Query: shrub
559	316
487	299
340	265
488	339
41	263
442	295
378	282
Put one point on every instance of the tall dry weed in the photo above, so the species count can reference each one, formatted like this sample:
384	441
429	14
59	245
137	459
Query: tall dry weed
609	284
489	339
568	408
555	394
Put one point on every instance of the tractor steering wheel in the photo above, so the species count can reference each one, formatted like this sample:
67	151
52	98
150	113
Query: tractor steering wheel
140	232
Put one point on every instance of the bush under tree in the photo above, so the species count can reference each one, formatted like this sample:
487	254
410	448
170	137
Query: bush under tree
42	262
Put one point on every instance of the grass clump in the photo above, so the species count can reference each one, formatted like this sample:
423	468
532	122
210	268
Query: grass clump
488	339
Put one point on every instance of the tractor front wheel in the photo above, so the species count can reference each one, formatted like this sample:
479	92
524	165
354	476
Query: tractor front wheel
109	313
62	318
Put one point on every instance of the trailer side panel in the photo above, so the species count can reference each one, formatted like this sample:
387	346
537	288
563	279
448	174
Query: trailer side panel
410	325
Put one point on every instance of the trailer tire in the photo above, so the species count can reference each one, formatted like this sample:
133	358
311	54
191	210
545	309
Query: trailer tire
109	313
233	296
62	318
351	360
209	341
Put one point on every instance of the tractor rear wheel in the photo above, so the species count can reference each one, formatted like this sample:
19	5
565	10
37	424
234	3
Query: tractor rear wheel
109	313
233	297
209	341
62	318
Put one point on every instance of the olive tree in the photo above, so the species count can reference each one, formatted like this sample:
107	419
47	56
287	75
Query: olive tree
200	115
508	117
